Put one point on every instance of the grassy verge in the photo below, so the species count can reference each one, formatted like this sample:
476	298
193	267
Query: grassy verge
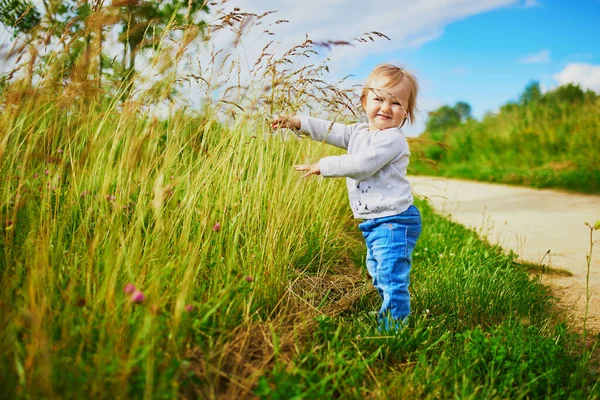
251	281
544	141
581	179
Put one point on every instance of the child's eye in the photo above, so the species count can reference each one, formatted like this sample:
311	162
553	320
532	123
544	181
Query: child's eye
377	99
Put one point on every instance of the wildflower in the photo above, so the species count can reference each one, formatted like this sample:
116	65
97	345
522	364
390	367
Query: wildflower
249	279
189	307
129	288
217	227
110	198
60	151
35	176
138	296
47	172
8	223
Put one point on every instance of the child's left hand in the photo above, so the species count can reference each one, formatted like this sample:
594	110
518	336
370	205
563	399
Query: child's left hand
311	169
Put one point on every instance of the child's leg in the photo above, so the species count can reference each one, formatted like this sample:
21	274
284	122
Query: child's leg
391	241
393	273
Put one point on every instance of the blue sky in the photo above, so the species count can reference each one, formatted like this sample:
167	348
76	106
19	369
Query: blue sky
483	52
488	59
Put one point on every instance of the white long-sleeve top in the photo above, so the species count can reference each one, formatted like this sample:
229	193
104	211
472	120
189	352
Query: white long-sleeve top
374	167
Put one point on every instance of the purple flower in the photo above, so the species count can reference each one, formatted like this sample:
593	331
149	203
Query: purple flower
189	307
35	176
138	296
217	227
8	223
47	172
129	288
249	279
60	151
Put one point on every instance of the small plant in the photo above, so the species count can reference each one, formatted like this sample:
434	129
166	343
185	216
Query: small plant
588	295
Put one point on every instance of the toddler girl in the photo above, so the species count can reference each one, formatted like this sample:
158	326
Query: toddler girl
375	170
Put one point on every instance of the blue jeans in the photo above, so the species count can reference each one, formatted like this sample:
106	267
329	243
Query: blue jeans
390	243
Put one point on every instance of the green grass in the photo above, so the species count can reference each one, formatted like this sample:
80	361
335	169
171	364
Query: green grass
548	142
279	297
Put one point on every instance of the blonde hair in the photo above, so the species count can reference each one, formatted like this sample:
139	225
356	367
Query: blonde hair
395	75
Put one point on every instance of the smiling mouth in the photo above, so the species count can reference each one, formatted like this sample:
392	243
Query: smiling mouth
383	116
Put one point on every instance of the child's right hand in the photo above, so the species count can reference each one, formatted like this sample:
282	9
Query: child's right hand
286	121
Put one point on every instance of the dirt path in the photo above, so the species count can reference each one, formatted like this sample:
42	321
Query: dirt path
530	222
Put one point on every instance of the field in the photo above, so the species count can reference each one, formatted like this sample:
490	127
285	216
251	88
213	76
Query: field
250	280
181	256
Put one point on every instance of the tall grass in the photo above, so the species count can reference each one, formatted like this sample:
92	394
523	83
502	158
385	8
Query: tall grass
187	210
251	281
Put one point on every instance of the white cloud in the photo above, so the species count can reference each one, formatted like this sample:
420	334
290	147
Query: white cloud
530	4
542	56
409	24
587	76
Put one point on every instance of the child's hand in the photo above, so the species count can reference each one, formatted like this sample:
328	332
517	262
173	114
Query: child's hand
286	121
311	169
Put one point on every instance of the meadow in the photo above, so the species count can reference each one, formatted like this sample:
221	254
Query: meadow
181	256
252	280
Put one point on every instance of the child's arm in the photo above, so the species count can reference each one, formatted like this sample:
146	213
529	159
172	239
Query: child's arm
335	134
385	147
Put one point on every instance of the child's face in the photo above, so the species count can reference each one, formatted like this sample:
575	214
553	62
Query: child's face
386	106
